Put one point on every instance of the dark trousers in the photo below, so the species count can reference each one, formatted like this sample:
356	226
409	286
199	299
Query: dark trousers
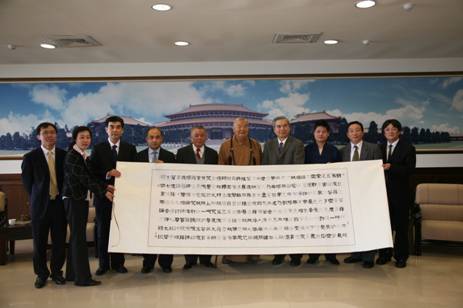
327	256
103	209
293	257
77	265
53	223
193	259
399	214
364	256
163	260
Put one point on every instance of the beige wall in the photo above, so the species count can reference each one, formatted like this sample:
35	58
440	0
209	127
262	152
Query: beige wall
231	68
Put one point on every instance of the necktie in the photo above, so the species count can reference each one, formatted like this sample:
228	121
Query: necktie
53	182
155	156
389	152
280	147
151	158
198	153
114	151
356	154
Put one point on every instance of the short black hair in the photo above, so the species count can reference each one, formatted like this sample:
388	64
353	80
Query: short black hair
79	129
354	122
44	125
114	119
321	123
155	127
75	132
393	122
274	121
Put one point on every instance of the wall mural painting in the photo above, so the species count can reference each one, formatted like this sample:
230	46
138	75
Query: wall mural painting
430	108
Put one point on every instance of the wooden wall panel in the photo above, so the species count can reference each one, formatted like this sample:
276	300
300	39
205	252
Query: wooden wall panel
18	200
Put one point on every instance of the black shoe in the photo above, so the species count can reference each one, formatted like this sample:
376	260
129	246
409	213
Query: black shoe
368	264
146	269
121	269
167	269
40	282
312	260
295	262
208	264
352	260
89	283
225	260
382	261
333	260
58	279
101	271
401	263
187	266
278	260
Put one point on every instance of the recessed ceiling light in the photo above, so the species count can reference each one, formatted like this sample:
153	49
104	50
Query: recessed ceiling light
47	46
181	43
408	6
330	42
365	4
161	7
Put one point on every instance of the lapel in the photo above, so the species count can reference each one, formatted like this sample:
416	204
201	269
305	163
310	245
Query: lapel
80	158
59	160
396	152
107	151
43	162
122	148
364	152
161	154
145	155
346	152
192	155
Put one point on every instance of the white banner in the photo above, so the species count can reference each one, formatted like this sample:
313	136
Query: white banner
279	209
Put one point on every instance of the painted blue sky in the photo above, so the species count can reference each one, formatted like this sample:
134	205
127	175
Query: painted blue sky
429	102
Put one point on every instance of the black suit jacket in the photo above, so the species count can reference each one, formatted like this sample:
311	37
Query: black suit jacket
164	155
403	162
36	180
186	155
102	158
78	178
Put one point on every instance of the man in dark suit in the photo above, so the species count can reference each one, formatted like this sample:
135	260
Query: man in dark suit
197	153
399	157
283	150
155	154
104	157
42	176
356	150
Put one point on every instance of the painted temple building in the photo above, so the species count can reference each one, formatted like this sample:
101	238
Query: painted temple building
218	121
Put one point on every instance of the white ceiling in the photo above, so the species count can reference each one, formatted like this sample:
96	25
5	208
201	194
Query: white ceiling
228	30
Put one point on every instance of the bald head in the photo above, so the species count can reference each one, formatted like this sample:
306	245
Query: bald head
241	128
